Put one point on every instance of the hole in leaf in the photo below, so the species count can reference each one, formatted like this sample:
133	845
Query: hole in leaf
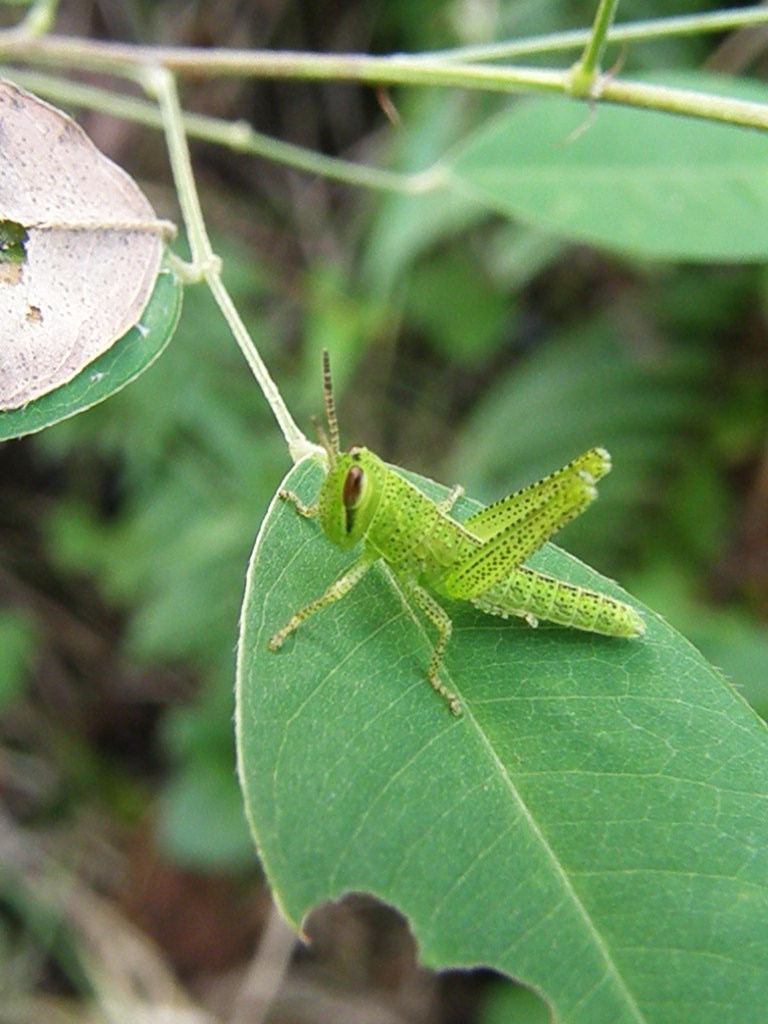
13	242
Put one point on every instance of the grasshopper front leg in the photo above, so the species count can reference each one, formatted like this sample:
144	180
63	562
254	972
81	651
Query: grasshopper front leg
308	511
338	589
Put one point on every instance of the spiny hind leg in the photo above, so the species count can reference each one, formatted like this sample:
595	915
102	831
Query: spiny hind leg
338	589
509	532
572	486
442	623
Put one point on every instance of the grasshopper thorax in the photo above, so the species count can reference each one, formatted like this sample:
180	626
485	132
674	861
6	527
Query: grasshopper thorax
350	495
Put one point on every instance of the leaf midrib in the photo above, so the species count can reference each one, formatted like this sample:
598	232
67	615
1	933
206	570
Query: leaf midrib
559	870
560	873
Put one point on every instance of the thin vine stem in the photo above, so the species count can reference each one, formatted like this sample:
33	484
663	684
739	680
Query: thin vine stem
216	61
586	69
124	59
38	20
629	32
205	263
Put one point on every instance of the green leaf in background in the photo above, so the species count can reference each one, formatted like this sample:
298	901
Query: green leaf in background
454	303
636	181
118	366
200	821
171	554
594	824
405	227
730	637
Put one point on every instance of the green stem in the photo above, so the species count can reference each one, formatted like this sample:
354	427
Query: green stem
101	56
38	20
124	59
684	101
159	83
586	69
629	32
120	58
299	446
205	263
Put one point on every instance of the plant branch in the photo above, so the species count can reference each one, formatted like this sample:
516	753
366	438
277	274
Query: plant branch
160	83
123	59
206	264
16	45
706	106
587	67
632	31
38	19
604	18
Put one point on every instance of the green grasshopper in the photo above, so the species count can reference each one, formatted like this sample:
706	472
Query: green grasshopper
479	560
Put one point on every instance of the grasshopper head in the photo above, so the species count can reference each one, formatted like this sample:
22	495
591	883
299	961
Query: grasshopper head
349	495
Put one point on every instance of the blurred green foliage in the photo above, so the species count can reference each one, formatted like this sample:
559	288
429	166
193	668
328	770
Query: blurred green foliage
17	643
198	460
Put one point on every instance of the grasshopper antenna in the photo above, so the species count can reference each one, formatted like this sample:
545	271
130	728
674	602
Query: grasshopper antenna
329	441
328	392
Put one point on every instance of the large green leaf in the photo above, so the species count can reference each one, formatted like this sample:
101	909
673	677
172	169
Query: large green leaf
638	181
125	360
594	824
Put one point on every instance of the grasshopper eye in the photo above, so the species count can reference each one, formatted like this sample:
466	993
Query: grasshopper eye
353	486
